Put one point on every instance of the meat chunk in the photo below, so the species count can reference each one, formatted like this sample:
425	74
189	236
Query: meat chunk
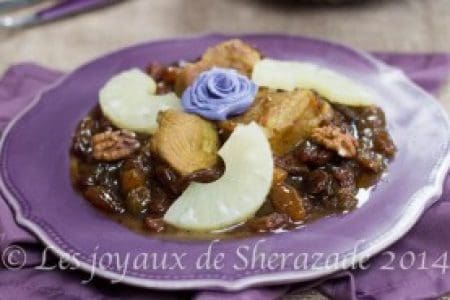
288	117
230	54
185	141
334	138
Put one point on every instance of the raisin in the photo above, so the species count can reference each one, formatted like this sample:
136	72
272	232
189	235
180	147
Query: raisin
154	225
138	200
131	179
156	71
82	141
371	117
170	75
285	199
162	88
345	174
279	175
160	203
270	222
319	182
371	160
170	180
383	143
312	154
205	175
134	172
104	199
346	199
291	165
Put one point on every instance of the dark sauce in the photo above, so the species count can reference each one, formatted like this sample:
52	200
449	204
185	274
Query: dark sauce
138	190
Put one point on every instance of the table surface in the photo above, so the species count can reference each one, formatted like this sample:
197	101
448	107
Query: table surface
384	25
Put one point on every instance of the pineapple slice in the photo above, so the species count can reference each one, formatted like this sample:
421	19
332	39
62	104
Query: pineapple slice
238	194
335	87
129	101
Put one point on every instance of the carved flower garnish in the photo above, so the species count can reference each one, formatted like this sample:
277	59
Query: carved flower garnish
218	94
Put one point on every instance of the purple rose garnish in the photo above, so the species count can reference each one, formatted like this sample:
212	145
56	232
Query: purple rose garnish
218	94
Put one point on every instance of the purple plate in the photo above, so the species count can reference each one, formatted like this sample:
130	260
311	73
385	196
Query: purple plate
35	180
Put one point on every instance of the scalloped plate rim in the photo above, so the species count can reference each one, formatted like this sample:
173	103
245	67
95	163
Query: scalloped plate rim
422	199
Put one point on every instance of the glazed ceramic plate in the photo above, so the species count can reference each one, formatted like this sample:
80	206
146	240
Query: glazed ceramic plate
35	180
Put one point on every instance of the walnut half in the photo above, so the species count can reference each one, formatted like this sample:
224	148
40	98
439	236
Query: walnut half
114	145
334	138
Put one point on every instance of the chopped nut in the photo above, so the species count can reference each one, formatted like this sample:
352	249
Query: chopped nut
335	139
114	145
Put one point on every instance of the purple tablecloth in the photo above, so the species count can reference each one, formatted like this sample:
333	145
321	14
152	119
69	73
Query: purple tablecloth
387	277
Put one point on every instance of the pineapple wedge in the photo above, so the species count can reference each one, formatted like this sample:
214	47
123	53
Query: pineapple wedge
238	194
335	87
129	101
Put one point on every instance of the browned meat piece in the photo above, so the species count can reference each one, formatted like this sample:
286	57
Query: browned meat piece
285	199
288	117
185	141
334	138
114	145
230	54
